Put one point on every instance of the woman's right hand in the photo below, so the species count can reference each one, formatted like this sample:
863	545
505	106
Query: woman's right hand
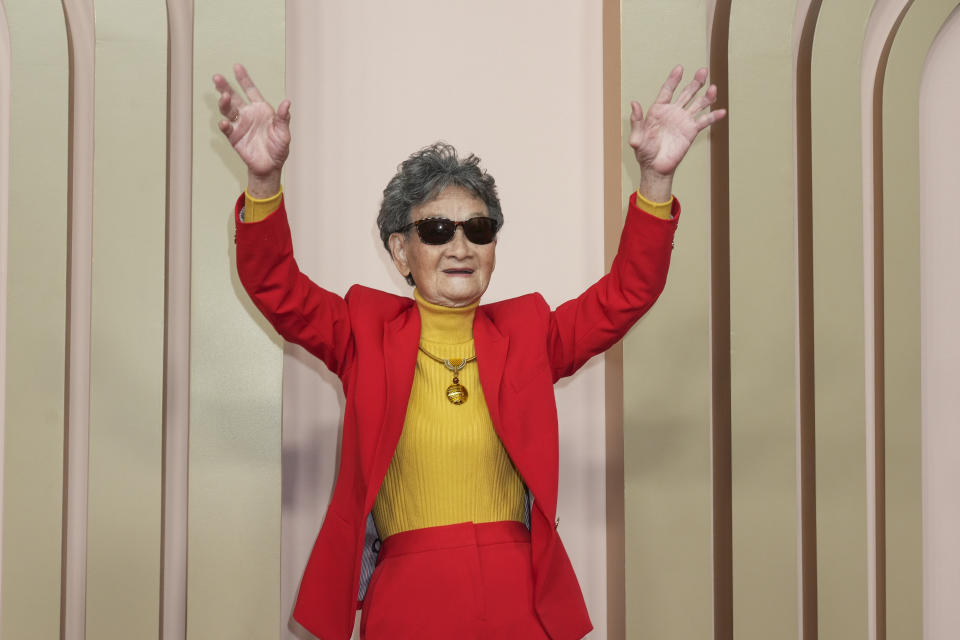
260	135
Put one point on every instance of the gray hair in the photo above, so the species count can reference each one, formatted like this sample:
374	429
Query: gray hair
421	177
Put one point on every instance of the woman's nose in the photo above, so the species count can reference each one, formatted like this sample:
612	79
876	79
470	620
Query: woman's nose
459	245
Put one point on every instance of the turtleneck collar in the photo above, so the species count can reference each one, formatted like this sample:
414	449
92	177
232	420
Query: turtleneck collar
450	325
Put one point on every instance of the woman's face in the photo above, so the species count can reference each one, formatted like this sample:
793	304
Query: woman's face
454	274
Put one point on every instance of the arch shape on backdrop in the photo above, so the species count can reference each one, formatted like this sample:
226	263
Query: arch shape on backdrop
940	316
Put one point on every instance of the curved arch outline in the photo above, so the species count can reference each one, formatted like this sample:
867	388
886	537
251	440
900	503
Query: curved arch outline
81	39
882	26
5	67
940	444
176	358
804	27
718	40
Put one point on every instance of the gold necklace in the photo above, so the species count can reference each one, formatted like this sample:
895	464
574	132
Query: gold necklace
456	392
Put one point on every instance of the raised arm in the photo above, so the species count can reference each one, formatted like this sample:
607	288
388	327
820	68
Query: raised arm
598	318
300	311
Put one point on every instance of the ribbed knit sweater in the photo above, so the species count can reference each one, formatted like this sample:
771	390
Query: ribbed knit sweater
449	465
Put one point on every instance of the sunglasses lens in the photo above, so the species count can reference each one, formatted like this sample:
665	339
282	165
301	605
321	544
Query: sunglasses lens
436	230
480	230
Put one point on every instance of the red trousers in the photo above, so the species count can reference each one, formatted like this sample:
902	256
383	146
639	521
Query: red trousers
462	581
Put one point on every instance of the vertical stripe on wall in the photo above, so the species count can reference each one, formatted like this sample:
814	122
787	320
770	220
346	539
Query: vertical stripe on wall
5	68
882	27
613	359
36	296
838	320
81	38
126	376
718	26
233	581
176	366
902	230
666	371
762	320
804	27
940	316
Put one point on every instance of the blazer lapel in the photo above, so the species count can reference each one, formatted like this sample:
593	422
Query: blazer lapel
400	339
491	348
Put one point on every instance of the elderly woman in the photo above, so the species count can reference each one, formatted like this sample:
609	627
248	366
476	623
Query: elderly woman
448	468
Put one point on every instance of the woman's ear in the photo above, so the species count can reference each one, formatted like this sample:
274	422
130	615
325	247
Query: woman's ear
398	250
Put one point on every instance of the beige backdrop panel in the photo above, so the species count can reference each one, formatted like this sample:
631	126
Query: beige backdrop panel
902	315
940	234
762	321
666	376
233	577
123	579
838	300
36	311
518	84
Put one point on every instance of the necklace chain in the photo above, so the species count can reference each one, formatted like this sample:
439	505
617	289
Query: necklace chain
456	392
455	365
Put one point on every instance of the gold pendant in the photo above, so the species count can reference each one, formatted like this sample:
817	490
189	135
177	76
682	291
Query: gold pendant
456	392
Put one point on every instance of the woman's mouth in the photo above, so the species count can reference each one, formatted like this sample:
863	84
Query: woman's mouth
458	272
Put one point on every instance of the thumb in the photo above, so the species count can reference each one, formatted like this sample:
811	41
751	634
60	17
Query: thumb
283	111
282	121
636	123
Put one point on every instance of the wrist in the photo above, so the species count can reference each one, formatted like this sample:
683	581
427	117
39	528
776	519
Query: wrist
263	186
655	187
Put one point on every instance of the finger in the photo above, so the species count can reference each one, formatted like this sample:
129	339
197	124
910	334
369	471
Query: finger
283	111
225	104
225	127
243	79
282	121
636	112
691	89
229	102
708	119
669	86
224	87
704	101
228	108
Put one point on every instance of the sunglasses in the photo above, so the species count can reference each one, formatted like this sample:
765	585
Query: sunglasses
479	230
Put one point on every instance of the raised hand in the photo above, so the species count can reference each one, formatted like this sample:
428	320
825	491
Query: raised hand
662	138
260	135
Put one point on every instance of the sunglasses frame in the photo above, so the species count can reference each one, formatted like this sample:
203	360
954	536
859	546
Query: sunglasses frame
462	223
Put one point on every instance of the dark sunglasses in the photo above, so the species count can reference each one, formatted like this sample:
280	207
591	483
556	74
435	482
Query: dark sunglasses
479	230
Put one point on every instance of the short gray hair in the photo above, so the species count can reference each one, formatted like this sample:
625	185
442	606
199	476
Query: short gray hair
421	177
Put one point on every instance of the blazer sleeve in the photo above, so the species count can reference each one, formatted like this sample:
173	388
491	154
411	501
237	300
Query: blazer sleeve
301	311
594	321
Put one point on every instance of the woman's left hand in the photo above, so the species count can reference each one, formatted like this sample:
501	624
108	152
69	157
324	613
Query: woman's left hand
662	138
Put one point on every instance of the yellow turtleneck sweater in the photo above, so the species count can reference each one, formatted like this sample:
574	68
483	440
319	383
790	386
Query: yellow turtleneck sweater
449	465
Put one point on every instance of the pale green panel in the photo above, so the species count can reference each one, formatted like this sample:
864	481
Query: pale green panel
669	566
762	320
838	300
234	576
123	562
33	482
902	316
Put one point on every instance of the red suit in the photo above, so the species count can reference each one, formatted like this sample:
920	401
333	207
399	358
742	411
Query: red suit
369	339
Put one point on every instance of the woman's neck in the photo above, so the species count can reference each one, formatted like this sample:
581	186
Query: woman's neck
449	325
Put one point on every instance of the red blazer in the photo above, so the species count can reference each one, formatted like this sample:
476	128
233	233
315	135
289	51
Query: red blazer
369	339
